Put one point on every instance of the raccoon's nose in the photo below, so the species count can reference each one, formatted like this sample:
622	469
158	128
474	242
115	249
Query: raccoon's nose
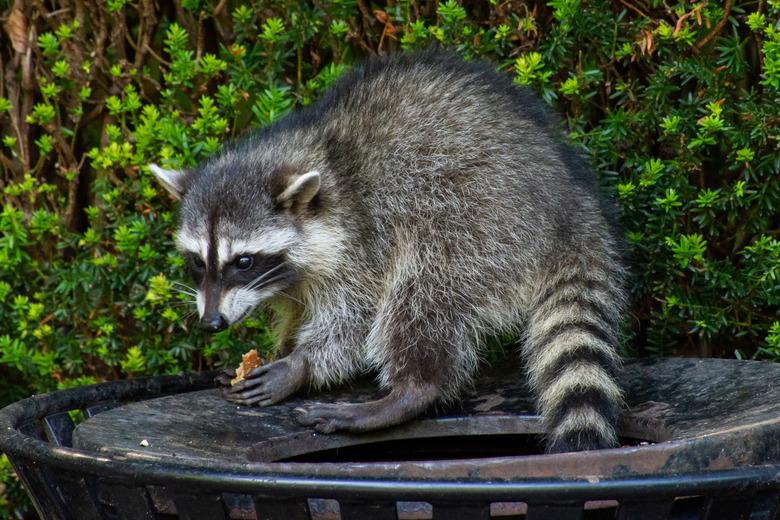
214	324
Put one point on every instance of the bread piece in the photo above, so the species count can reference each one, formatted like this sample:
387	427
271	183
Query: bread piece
249	362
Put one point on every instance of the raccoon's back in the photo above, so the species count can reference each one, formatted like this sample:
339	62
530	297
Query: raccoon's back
433	136
434	105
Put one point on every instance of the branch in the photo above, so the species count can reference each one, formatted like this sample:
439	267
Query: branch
718	27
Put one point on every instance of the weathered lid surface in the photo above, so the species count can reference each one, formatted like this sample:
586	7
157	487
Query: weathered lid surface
693	414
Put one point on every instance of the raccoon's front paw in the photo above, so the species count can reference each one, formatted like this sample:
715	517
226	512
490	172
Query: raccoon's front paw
268	384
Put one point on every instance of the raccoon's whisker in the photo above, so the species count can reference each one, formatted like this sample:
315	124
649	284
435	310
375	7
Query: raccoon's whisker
182	291
183	302
260	278
292	298
261	283
254	283
180	284
265	283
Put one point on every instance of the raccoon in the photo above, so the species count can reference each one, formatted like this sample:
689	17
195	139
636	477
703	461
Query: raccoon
422	205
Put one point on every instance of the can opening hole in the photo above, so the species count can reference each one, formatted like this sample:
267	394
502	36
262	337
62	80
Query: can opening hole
436	448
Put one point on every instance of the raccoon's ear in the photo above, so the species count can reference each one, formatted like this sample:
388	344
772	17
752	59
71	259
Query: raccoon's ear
172	180
300	190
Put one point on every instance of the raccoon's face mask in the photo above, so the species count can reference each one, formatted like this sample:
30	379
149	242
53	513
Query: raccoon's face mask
235	262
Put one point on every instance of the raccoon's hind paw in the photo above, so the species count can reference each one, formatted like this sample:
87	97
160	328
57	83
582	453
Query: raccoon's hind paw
268	384
328	418
404	402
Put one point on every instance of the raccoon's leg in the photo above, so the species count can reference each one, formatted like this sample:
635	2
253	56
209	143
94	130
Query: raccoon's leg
571	354
423	355
286	324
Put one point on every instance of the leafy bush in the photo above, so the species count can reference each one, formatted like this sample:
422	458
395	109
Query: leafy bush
675	103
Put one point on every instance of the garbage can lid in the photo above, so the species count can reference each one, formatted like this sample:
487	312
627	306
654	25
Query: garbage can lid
684	415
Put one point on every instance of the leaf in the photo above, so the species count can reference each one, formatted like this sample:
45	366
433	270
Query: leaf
16	26
647	44
383	18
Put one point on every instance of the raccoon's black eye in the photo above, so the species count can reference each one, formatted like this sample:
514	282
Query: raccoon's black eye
196	267
195	263
244	262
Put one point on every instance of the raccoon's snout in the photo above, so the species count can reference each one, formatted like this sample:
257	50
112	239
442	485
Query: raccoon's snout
213	323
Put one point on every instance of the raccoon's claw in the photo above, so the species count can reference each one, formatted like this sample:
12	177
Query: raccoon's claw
258	396
225	376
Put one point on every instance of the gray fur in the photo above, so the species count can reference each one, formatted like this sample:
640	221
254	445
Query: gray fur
446	210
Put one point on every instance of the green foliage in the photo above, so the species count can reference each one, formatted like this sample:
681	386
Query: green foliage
675	103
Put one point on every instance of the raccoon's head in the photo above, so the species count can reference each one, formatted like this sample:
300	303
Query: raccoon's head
241	234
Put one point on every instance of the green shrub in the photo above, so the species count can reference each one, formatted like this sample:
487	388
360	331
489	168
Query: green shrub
675	103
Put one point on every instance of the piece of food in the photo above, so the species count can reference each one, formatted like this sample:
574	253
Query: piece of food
249	362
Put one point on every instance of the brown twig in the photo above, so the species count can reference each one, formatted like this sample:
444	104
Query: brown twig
8	167
354	35
157	56
118	36
186	19
13	95
223	23
148	19
99	36
201	39
72	207
679	25
28	99
57	12
219	8
133	43
368	20
432	6
718	27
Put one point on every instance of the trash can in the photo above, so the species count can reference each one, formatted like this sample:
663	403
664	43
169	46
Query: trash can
701	440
